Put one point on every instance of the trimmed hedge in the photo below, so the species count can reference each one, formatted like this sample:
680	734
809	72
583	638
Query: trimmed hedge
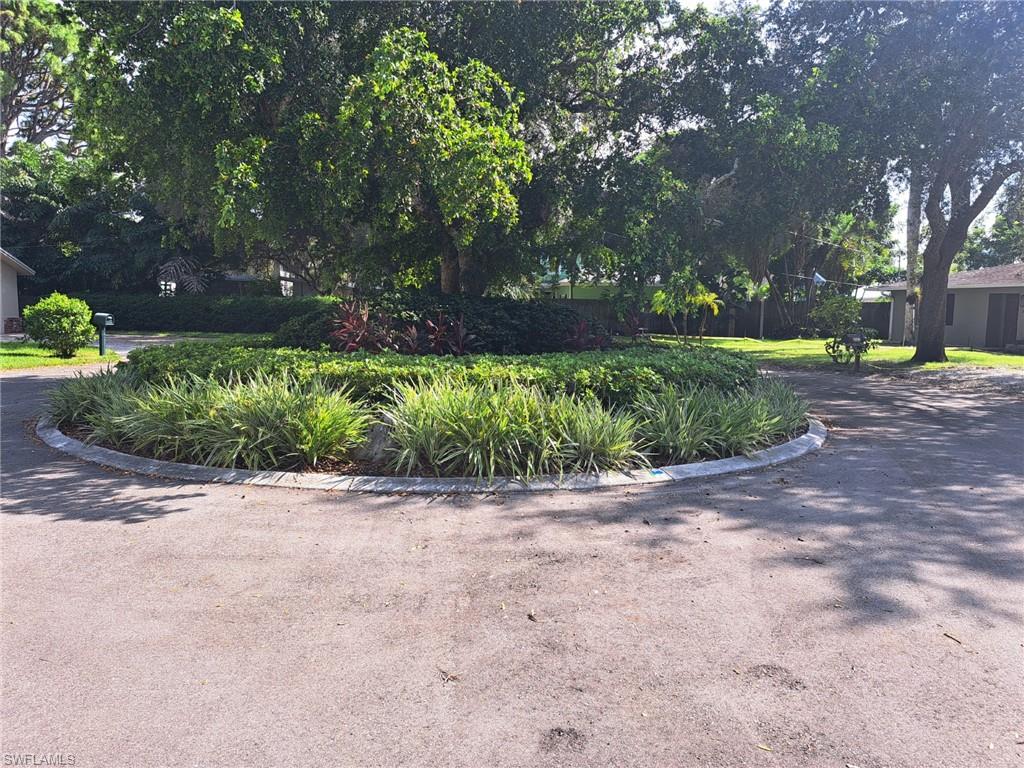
225	314
505	326
614	376
501	326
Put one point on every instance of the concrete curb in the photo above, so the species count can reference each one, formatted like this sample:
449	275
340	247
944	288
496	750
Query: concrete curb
810	441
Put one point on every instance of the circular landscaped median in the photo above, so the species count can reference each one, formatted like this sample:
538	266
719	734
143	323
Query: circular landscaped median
377	423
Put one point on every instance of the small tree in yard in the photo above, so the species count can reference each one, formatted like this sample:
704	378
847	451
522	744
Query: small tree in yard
835	317
683	294
60	323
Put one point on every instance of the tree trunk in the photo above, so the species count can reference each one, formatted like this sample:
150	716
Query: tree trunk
913	244
471	275
931	312
449	266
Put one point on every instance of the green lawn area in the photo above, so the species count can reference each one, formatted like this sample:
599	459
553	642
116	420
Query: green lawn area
26	354
805	353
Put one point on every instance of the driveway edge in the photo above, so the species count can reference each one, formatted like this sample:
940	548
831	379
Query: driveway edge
806	443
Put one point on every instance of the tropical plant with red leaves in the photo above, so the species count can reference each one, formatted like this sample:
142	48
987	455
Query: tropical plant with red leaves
357	329
582	338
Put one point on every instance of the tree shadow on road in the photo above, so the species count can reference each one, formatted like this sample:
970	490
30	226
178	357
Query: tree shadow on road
913	491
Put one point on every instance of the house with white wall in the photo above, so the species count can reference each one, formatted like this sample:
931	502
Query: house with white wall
984	308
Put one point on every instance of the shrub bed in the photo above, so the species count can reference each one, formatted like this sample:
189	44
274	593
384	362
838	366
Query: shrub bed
614	377
447	426
490	325
498	325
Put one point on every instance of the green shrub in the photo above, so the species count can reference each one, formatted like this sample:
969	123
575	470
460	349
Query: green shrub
77	400
836	315
451	427
675	423
682	425
614	377
308	331
496	325
262	422
60	323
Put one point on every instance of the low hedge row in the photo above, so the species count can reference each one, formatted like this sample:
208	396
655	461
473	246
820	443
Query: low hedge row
616	377
225	314
497	325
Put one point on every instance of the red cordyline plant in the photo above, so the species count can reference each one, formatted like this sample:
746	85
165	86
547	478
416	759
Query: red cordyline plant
448	336
581	338
409	340
357	329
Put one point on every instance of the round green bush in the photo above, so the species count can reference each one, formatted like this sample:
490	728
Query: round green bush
60	323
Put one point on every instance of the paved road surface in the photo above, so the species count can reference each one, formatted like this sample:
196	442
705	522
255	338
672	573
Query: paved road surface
861	607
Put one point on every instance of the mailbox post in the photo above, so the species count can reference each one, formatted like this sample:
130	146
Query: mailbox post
858	344
102	321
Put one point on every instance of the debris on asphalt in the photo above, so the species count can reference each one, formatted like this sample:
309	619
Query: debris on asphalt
448	677
531	616
946	634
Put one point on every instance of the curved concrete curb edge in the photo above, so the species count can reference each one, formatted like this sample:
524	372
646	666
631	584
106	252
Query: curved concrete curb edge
810	441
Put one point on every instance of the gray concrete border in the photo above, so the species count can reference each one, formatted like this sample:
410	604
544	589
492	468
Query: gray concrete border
810	441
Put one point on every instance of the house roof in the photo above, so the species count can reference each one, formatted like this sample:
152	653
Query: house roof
19	266
1005	276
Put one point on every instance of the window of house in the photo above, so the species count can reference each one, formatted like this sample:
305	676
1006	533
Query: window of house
950	304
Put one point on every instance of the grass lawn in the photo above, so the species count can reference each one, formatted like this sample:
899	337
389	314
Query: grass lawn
26	354
809	353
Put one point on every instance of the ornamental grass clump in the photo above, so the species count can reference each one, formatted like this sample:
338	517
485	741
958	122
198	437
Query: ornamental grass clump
78	399
681	425
261	422
455	428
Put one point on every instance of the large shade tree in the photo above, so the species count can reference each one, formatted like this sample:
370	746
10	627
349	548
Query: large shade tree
176	93
37	41
932	86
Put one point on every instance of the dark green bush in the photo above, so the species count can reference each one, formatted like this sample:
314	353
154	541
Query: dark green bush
60	323
618	376
308	331
225	314
497	325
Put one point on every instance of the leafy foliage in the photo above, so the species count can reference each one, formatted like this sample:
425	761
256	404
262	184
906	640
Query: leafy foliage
681	425
455	428
60	323
81	227
613	377
838	316
37	40
444	325
261	422
448	425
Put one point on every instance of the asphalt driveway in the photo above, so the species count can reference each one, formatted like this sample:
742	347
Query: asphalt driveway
861	607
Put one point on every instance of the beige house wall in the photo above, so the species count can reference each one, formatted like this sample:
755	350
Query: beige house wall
8	292
970	316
